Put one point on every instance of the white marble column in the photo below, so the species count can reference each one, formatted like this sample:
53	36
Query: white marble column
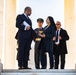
1	26
1	67
70	26
10	30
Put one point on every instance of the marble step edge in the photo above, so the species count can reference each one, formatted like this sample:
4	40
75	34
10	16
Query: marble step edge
38	71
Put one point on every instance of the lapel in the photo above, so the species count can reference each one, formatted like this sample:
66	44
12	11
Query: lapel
46	30
26	19
61	32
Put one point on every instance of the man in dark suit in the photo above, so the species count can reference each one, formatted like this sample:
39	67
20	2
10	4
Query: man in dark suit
24	37
38	46
60	47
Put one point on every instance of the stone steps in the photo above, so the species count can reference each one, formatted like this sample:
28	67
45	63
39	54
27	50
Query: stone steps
38	72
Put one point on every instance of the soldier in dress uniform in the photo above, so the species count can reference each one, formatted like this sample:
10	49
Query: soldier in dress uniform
38	46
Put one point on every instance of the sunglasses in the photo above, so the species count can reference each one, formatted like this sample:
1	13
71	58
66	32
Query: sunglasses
57	24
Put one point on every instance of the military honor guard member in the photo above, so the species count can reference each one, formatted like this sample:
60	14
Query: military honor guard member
38	46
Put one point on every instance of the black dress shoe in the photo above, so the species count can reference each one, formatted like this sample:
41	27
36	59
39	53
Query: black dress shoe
37	67
51	68
20	68
43	68
26	68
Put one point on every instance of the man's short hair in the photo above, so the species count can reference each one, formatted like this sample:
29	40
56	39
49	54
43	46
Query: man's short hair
59	22
27	8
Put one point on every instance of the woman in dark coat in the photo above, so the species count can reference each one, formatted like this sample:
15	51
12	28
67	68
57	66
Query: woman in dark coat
49	33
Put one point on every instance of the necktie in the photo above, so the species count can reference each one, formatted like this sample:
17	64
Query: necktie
27	17
57	36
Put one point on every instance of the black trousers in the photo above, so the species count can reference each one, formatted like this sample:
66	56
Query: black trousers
38	59
61	60
43	59
47	48
23	52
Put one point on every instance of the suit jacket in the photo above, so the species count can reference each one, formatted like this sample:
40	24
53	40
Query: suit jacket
19	24
38	44
62	47
49	34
